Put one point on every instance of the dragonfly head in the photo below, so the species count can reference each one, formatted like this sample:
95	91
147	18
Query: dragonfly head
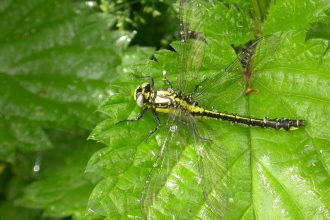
142	94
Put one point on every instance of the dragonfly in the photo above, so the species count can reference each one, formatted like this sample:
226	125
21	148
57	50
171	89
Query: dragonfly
190	103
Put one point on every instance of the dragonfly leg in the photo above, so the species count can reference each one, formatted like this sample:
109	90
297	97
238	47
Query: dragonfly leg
143	77
158	124
140	115
168	82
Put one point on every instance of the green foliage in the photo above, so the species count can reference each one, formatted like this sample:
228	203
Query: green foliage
145	17
57	59
272	174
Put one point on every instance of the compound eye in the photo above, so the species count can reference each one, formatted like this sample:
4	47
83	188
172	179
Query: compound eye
146	86
137	92
139	99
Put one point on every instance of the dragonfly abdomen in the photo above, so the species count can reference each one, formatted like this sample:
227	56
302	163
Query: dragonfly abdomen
277	123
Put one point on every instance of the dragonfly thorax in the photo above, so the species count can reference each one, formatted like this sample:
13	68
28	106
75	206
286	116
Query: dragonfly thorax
160	100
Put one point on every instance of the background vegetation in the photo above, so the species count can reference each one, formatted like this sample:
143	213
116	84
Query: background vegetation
57	60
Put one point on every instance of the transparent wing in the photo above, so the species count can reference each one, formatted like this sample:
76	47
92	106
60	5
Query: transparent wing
212	161
230	84
172	147
192	45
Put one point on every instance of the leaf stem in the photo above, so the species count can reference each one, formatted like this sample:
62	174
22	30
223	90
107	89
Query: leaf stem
259	9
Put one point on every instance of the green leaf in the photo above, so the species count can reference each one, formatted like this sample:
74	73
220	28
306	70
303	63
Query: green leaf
17	213
57	59
56	62
271	174
295	15
64	188
236	26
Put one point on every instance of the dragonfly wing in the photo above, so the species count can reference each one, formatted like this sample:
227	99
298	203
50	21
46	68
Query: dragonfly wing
173	145
192	45
212	161
230	84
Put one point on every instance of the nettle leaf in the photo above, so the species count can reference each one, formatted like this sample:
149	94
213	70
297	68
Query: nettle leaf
56	61
271	174
64	188
297	15
236	26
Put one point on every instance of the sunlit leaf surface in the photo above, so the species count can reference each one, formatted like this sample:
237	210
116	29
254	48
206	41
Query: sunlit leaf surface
271	174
